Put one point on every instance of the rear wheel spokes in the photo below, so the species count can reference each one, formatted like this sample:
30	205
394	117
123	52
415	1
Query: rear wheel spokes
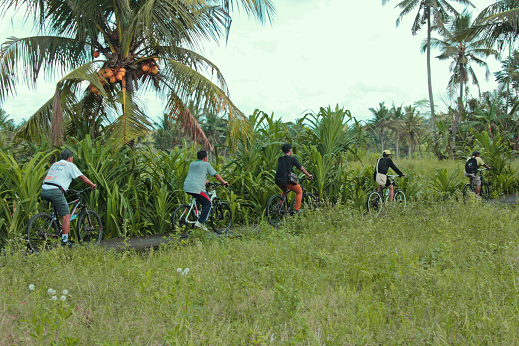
42	232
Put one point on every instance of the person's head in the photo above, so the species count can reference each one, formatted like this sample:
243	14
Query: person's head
201	155
66	154
287	148
386	153
475	153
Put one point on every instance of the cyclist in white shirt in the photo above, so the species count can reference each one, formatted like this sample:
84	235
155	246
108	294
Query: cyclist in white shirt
57	182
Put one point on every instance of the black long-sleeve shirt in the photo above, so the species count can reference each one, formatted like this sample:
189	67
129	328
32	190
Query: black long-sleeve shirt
384	165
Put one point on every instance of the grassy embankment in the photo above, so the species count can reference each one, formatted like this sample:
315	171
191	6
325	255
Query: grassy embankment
439	274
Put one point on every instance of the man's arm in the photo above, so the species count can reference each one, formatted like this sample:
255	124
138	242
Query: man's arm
399	172
487	167
302	169
220	179
87	181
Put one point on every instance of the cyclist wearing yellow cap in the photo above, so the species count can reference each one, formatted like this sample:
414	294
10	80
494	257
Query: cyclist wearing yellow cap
382	167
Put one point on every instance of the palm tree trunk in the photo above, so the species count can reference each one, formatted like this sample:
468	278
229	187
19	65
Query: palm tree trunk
397	142
508	77
410	145
429	80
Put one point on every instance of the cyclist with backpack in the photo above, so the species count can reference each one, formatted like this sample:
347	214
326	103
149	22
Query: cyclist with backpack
285	177
471	169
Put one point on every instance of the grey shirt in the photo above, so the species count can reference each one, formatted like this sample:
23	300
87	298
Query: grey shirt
197	176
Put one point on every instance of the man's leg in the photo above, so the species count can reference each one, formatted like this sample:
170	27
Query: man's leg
478	189
206	206
65	225
299	195
391	192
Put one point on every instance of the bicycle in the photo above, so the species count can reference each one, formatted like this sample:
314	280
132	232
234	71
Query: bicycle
376	199
278	207
472	188
220	215
44	230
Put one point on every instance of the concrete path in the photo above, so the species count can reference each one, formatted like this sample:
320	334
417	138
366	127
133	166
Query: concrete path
154	240
512	199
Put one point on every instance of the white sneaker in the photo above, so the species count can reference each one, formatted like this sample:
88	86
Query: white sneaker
201	225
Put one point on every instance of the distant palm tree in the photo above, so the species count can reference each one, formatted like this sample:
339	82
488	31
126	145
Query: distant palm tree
413	127
439	10
396	117
380	123
6	124
136	45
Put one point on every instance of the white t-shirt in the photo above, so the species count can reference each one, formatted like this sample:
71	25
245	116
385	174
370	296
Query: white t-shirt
61	173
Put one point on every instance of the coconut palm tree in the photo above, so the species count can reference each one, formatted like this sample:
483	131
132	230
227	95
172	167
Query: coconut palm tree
498	23
462	51
438	10
108	53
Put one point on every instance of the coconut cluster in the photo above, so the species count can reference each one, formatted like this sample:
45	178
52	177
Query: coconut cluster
109	75
150	66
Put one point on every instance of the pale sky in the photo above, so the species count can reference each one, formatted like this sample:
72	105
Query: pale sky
316	53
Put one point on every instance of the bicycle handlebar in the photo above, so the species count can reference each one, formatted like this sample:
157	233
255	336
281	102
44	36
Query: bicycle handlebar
70	191
213	185
395	176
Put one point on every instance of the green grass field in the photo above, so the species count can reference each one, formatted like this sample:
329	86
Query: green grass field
444	274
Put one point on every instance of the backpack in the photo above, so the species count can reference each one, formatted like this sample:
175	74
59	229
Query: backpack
471	166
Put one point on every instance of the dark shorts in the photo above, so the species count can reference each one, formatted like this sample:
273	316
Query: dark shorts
58	200
388	182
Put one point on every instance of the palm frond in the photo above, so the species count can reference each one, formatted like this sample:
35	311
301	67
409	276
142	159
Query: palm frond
23	59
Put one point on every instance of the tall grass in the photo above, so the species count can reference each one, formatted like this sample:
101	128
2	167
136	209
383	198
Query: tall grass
436	275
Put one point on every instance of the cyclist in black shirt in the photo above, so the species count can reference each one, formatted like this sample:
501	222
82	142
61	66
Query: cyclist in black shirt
286	164
383	167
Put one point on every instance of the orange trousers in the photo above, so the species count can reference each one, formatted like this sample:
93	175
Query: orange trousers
299	193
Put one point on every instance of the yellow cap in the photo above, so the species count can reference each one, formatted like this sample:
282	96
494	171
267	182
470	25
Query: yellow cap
387	152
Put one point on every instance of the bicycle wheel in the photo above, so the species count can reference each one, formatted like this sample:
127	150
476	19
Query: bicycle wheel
221	217
485	191
89	228
310	201
276	210
42	232
467	191
374	203
399	200
182	220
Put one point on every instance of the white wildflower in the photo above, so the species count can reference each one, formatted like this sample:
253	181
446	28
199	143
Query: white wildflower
185	271
51	291
179	270
63	298
31	287
54	298
65	292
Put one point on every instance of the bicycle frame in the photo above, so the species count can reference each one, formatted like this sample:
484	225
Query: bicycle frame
285	193
212	197
77	204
